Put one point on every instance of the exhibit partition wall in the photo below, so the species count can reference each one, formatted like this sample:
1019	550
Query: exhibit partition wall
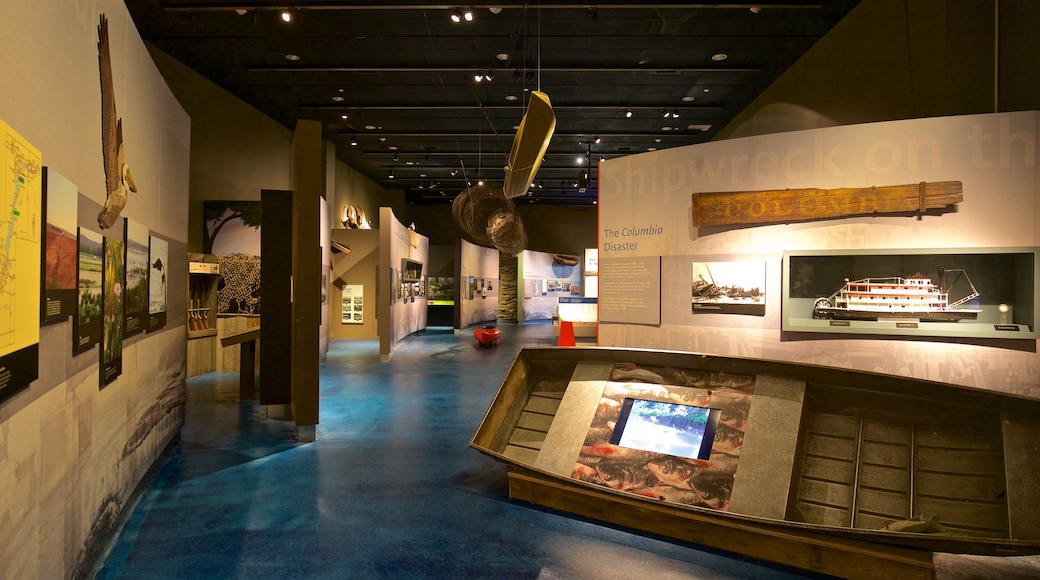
546	278
478	287
93	300
401	291
906	248
355	260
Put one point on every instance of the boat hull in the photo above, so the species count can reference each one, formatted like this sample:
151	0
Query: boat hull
824	453
923	316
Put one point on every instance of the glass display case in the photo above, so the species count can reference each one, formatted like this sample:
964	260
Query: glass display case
968	293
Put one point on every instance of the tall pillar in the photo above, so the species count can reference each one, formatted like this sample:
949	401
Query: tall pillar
308	161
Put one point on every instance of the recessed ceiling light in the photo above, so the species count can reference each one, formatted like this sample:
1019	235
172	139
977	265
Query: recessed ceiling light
687	99
392	147
502	56
370	127
338	99
241	11
719	57
495	9
286	16
666	128
292	57
651	148
511	97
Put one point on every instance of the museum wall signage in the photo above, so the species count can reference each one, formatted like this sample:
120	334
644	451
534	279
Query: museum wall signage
136	290
630	290
21	218
113	300
729	287
59	248
158	266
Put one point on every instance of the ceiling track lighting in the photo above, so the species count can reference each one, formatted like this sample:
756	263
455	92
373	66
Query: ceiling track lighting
628	113
287	15
458	14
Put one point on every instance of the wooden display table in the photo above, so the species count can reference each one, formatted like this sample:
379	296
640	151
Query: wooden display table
247	360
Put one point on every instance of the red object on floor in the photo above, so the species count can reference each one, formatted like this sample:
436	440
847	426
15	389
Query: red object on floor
566	334
487	335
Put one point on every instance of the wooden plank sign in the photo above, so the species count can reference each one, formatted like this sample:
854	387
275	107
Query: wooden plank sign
795	205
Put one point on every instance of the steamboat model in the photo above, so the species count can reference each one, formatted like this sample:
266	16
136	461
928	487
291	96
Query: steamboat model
914	297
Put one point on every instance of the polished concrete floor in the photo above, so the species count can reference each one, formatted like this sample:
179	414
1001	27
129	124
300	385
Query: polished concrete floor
390	488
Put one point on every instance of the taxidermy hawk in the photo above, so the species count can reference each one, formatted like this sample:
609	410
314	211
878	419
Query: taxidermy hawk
118	181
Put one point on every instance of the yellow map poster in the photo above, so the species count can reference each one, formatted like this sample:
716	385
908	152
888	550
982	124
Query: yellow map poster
21	223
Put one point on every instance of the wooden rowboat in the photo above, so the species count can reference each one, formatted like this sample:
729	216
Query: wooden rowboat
529	145
842	472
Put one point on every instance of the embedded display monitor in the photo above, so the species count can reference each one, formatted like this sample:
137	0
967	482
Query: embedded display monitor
668	428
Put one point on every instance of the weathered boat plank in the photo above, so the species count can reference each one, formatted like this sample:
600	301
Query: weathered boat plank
536	421
804	204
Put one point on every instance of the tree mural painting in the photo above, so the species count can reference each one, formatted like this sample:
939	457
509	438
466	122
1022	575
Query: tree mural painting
220	213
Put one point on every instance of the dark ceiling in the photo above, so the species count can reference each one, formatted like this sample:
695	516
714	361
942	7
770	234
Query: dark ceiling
393	83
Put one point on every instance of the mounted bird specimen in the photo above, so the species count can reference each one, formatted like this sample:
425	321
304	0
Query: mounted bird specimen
118	181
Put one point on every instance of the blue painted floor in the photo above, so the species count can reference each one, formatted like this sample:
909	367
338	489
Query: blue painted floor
390	488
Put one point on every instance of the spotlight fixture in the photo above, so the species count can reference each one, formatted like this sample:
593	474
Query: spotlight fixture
602	158
479	77
490	76
596	140
397	157
391	176
516	74
353	140
456	15
628	113
286	15
665	113
590	14
467	15
675	114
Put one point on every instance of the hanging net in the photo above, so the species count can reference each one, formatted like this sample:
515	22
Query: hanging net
489	218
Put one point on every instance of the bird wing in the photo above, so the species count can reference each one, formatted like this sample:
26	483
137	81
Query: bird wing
111	131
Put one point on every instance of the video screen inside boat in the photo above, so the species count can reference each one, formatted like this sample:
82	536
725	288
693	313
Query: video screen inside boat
668	428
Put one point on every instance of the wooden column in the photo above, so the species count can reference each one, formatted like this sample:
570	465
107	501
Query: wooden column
308	184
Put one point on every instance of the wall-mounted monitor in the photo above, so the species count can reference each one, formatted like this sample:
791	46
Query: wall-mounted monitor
411	270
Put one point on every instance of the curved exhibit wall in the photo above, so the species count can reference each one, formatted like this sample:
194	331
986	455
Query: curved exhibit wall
478	284
76	441
403	255
546	278
666	216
